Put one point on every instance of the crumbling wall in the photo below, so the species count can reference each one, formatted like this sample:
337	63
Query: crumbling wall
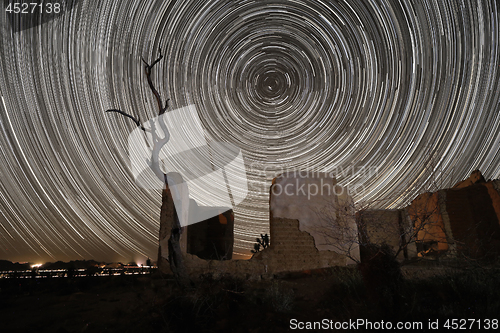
462	220
298	237
293	250
475	178
212	238
474	221
324	211
494	194
381	226
426	214
167	215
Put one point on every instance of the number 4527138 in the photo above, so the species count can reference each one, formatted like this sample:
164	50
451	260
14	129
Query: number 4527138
467	324
33	7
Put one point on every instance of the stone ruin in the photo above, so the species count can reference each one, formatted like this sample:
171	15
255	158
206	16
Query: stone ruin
209	239
299	238
304	207
462	221
385	227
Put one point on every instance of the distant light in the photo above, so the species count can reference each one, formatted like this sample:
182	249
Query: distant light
36	265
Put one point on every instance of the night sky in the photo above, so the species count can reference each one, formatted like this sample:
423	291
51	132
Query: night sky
404	89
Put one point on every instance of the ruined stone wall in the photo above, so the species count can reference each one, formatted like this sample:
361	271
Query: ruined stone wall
298	239
209	239
463	220
212	238
474	221
380	226
324	211
426	214
166	220
292	249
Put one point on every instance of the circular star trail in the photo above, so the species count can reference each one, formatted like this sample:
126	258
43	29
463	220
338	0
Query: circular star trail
388	95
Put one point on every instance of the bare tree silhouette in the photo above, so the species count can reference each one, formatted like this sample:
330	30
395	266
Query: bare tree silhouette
174	249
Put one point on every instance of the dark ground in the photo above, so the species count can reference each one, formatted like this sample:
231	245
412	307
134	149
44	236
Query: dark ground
153	303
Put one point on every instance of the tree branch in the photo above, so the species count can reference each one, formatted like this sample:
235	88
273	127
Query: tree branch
174	249
137	121
148	68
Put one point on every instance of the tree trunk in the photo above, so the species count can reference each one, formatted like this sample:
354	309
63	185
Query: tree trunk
175	254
